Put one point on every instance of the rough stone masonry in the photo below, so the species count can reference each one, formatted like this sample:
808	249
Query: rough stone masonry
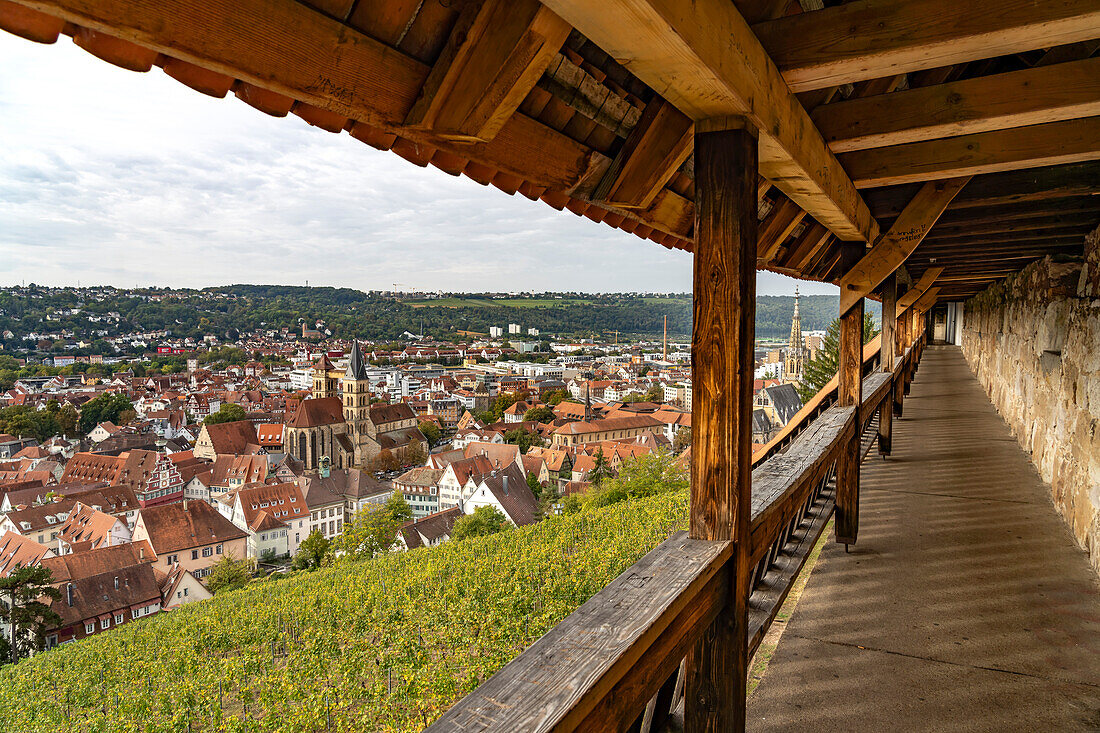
1033	340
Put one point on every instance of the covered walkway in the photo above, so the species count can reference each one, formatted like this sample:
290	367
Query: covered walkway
965	605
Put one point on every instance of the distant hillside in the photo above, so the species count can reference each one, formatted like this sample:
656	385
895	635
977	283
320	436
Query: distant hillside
226	311
385	644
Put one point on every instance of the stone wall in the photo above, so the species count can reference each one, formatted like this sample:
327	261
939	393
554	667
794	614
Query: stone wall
1033	341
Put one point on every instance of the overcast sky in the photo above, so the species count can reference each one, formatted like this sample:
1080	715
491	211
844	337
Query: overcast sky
112	177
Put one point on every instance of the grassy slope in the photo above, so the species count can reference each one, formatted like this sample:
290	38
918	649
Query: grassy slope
384	644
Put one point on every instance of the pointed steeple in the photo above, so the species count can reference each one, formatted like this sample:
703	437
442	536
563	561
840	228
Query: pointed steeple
587	403
357	366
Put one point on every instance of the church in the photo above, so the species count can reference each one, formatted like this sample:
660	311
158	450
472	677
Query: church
794	359
339	423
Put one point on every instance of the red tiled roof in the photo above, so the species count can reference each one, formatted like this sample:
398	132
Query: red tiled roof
317	411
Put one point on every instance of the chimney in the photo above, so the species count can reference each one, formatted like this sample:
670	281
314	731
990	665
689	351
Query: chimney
69	593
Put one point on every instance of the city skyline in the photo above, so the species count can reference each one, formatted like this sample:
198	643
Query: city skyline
184	190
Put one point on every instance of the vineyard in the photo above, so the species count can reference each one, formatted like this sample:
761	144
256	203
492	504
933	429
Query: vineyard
380	645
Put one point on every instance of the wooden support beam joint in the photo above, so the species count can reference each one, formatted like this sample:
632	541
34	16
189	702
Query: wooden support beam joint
495	55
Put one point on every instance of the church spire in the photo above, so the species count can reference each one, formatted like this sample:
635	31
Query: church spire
794	363
357	367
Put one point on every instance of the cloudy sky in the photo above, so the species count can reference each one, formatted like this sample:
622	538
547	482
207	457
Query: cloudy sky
109	176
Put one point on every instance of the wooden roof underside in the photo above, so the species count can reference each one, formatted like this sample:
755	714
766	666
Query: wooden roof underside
857	104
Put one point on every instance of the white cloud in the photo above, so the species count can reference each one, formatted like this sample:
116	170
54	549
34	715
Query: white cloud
107	176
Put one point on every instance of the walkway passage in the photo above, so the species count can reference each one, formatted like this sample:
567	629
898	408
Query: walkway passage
965	605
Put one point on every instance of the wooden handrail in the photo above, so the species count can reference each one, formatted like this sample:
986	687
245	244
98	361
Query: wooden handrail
601	665
615	660
817	404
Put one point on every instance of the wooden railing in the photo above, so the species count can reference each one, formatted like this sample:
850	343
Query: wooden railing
616	663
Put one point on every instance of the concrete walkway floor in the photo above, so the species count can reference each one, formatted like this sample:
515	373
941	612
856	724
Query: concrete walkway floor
965	605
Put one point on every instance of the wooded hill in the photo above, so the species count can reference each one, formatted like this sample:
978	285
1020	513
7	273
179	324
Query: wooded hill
226	311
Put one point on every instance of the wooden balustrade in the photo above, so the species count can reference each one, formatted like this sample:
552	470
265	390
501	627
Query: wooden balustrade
616	662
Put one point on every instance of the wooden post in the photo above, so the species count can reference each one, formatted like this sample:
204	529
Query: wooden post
850	392
721	447
889	289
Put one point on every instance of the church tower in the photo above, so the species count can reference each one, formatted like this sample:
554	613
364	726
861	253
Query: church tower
356	393
792	365
325	379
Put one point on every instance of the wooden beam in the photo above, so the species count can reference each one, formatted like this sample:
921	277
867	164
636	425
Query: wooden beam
1054	143
927	300
849	394
702	57
721	450
889	292
867	39
1016	99
913	294
776	227
495	54
893	247
652	154
807	244
1045	224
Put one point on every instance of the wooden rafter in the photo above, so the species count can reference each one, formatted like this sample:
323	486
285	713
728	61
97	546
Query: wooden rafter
776	227
702	57
927	300
1053	143
868	39
893	247
652	154
496	53
919	288
1016	99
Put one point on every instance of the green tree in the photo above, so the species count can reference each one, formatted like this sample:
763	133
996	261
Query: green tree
523	439
105	408
485	520
431	431
229	573
67	419
372	531
542	413
25	598
601	470
312	552
534	485
646	475
682	439
228	412
656	393
818	371
556	397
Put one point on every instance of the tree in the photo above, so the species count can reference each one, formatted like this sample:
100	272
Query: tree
312	552
228	412
67	419
229	573
372	531
601	470
818	371
485	520
656	393
105	408
127	416
385	461
556	397
523	439
431	431
646	475
534	485
25	608
542	413
682	439
415	455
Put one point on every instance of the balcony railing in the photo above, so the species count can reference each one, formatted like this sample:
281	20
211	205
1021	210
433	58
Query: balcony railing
616	663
